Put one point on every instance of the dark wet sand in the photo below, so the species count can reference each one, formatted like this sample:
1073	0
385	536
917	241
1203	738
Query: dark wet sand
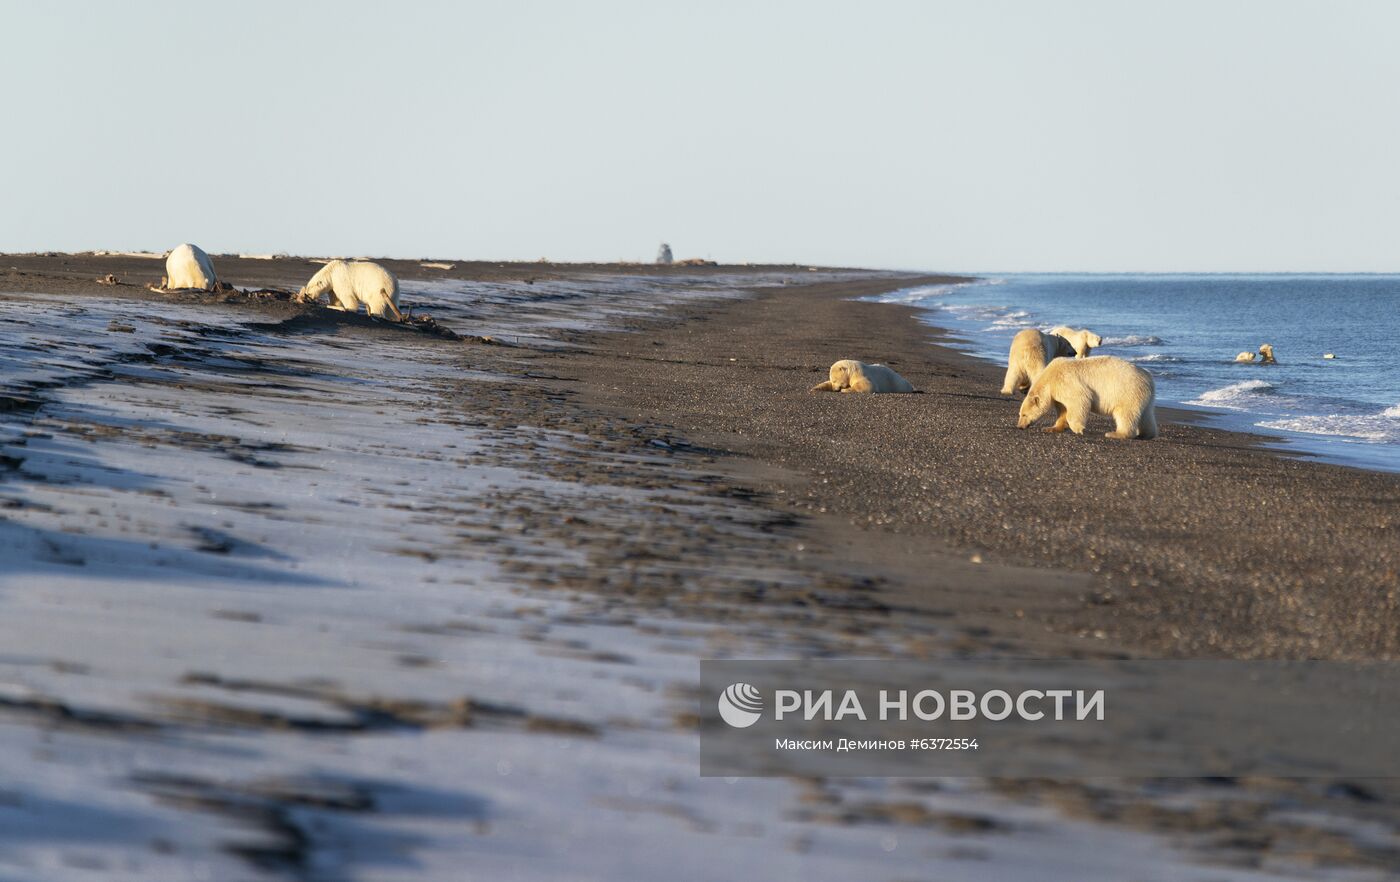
1197	543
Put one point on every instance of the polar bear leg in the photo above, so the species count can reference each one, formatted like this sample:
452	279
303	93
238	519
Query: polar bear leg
1147	424
1125	425
860	384
823	387
1061	419
1076	418
1015	379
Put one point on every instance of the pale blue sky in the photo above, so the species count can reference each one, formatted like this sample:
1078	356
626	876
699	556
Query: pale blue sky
980	135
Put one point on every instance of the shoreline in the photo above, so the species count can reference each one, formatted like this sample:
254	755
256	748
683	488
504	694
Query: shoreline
324	530
1203	542
973	337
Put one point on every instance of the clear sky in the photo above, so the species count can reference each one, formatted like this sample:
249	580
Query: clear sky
969	135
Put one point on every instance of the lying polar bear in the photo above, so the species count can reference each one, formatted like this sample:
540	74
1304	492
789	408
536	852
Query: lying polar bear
1083	340
1106	385
849	375
187	266
1031	351
353	283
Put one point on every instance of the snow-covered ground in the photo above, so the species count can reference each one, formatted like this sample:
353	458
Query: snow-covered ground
270	607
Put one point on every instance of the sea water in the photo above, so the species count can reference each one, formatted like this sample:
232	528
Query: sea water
1187	329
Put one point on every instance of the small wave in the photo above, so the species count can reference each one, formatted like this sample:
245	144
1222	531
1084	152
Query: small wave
1235	395
1015	319
1156	358
999	317
920	295
1381	428
1133	340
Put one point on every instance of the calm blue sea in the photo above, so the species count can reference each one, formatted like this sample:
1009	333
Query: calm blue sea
1187	329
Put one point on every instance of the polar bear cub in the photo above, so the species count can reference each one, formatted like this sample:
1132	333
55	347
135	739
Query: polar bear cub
849	375
1083	340
187	266
353	283
1031	351
1106	385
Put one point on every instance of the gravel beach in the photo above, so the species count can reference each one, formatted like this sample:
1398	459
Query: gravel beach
328	597
1200	543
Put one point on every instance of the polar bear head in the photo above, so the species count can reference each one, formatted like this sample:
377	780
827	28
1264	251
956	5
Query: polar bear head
1035	405
320	283
841	371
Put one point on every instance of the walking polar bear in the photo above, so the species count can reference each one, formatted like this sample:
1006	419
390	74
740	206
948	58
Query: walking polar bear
353	283
1031	351
1106	385
1083	340
849	375
187	266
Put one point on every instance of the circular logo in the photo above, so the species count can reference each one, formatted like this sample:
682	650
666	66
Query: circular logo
741	705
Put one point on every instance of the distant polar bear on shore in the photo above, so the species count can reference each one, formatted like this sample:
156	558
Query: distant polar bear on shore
1031	351
1083	341
353	283
187	266
849	375
1106	385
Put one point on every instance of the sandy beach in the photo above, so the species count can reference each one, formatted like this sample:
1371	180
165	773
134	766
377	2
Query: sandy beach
275	631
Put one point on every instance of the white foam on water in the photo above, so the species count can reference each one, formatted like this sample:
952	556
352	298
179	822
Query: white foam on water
1236	396
1133	340
1380	428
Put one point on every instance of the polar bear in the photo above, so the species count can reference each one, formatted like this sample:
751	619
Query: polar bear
1266	355
1031	351
849	375
187	266
1102	384
1083	341
353	283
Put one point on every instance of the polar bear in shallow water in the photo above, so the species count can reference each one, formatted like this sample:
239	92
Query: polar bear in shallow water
1106	385
187	266
1031	351
849	375
1266	355
1083	341
353	283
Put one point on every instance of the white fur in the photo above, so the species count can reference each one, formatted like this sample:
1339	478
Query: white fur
1031	351
354	283
1075	388
849	375
188	266
1266	355
1083	341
